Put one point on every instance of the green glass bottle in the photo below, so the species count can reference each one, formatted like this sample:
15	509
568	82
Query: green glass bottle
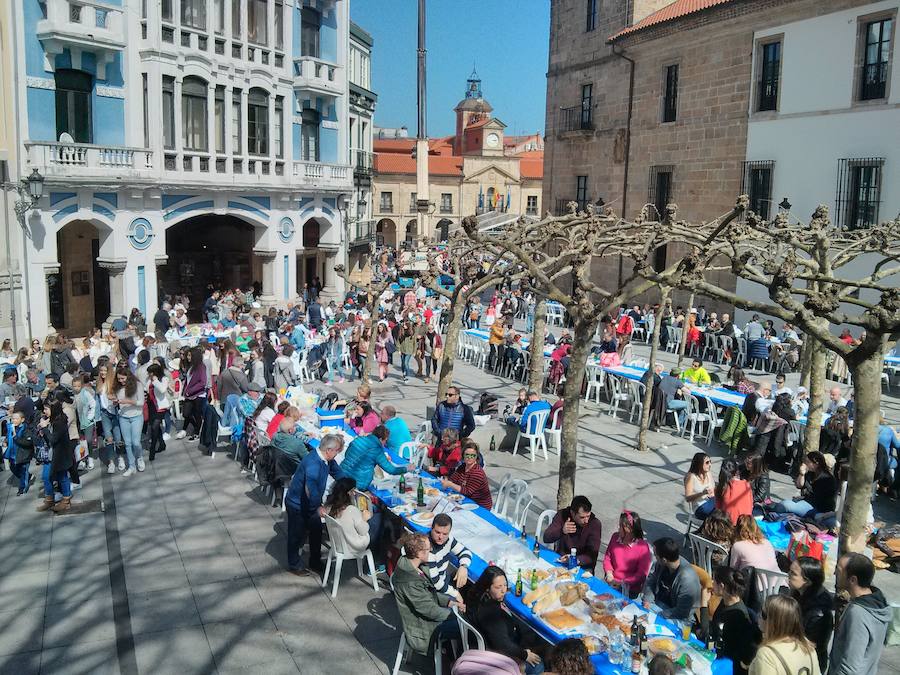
534	580
420	493
519	584
402	486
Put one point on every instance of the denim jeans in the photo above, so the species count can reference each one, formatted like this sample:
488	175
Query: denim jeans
800	508
300	525
21	472
131	434
680	407
404	364
61	477
703	511
529	322
112	435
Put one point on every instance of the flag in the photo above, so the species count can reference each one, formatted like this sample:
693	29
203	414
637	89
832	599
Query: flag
480	197
507	199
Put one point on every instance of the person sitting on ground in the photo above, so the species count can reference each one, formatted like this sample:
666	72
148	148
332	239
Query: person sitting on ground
699	486
290	440
452	413
576	527
818	489
424	612
750	548
628	558
806	579
469	478
718	529
735	633
785	649
444	550
487	611
673	585
697	374
446	456
341	505
399	430
733	494
862	628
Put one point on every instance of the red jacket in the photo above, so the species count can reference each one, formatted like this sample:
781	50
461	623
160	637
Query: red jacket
446	458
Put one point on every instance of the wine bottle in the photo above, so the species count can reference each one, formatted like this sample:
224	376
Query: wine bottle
493	445
519	584
402	486
420	493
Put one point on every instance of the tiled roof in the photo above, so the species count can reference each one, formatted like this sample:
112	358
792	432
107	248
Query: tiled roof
676	10
438	165
531	154
436	146
531	168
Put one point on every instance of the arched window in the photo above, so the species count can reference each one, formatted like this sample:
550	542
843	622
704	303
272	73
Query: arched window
73	104
194	133
309	135
258	122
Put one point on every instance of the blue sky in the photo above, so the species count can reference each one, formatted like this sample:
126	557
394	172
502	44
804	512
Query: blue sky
506	39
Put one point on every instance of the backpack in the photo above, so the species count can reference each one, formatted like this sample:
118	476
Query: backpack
487	404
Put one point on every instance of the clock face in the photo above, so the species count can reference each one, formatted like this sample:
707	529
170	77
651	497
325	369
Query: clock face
493	140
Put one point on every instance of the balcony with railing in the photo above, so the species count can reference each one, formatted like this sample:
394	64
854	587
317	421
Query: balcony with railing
386	206
364	233
321	175
576	118
562	205
316	75
363	162
83	25
85	160
873	81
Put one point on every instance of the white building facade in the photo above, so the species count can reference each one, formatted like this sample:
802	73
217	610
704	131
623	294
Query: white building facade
185	144
824	123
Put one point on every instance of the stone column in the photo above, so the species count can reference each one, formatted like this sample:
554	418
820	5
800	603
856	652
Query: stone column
116	269
211	130
330	281
269	260
245	95
176	132
42	310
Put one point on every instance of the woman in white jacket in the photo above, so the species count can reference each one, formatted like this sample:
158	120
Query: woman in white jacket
341	505
158	404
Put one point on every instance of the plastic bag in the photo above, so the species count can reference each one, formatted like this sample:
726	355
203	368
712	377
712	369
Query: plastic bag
802	544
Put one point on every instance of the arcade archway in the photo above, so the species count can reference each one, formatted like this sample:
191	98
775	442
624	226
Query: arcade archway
78	294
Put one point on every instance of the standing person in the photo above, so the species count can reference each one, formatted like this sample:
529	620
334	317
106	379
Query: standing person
303	502
158	405
806	579
314	312
862	628
54	426
407	339
452	413
109	418
673	584
87	413
19	450
699	486
68	405
232	381
195	393
736	635
628	557
384	343
576	527
432	350
785	650
334	349
495	341
130	401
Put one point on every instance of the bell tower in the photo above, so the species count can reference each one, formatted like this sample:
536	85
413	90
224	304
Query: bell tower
471	109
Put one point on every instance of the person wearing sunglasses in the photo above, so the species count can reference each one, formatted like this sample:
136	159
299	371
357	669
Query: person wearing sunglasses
700	486
469	478
452	413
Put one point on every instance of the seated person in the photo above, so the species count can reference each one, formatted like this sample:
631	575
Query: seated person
673	388
487	611
445	549
341	505
800	404
673	585
751	548
290	440
518	405
576	527
362	418
535	404
697	374
275	422
818	489
399	431
248	402
628	558
446	456
718	529
733	494
469	478
735	632
365	453
699	486
424	612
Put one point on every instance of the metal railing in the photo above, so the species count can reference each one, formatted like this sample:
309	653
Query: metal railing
363	161
576	118
562	205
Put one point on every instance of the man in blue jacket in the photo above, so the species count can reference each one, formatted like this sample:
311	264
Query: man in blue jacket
304	499
524	421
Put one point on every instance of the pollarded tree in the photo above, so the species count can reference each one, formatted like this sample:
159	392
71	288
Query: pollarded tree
464	263
806	270
557	253
373	289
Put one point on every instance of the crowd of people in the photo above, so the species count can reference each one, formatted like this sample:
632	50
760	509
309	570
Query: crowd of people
113	400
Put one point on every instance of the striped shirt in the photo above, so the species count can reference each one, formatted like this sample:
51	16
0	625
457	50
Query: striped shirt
439	561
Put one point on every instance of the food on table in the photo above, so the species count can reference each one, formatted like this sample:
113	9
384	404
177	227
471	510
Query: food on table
606	596
455	497
546	602
423	518
593	644
663	645
559	573
432	492
609	621
561	619
542	574
570	593
537	594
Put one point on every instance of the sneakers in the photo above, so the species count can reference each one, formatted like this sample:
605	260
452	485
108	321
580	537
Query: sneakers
181	434
167	436
341	380
140	464
90	463
121	464
111	467
129	471
76	486
193	437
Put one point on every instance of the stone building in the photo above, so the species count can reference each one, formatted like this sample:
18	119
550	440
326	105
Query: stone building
476	170
649	102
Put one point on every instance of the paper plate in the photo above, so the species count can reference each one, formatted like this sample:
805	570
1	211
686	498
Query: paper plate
423	518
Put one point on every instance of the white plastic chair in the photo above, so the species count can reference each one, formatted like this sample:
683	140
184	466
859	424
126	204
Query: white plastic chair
617	394
413	452
520	508
770	582
595	383
535	424
637	390
404	650
339	552
703	549
694	524
553	431
695	418
221	433
508	496
544	519
502	492
465	630
715	422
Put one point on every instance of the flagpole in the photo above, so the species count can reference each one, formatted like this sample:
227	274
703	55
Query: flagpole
422	196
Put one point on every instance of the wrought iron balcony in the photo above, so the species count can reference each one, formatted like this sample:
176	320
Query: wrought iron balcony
576	118
562	205
363	162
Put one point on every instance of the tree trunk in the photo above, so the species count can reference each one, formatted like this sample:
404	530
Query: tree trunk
816	391
451	340
568	453
684	332
536	347
867	407
805	358
648	392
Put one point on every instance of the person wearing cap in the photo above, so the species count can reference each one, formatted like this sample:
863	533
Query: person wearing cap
249	401
233	380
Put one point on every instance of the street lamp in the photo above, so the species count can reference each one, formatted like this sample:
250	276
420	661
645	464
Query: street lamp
785	205
29	191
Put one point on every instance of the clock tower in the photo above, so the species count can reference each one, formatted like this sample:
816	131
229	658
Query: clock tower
473	109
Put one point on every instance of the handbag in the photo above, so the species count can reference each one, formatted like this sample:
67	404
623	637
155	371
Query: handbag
802	544
437	352
81	450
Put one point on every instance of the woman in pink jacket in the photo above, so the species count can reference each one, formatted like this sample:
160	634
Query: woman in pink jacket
628	556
